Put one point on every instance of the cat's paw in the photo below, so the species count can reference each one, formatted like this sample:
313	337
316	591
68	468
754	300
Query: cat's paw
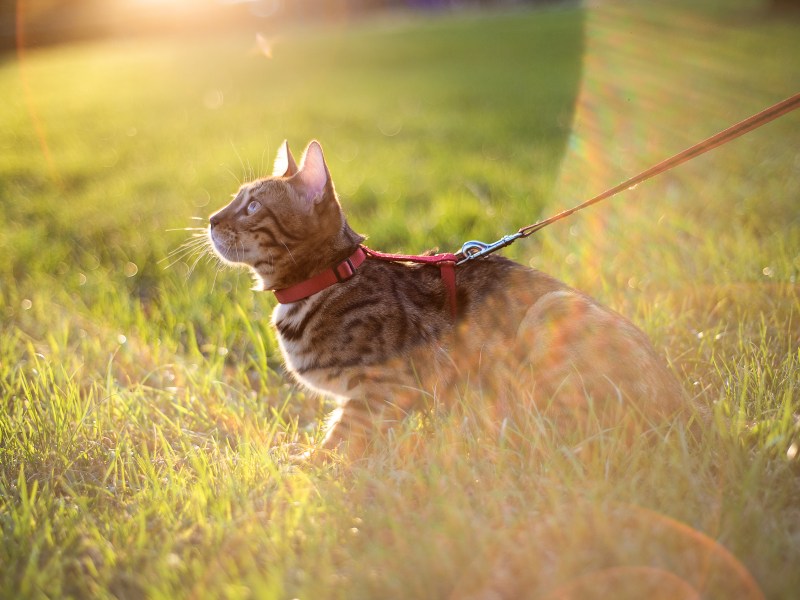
312	456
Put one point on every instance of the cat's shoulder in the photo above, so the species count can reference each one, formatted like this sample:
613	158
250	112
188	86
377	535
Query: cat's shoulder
498	272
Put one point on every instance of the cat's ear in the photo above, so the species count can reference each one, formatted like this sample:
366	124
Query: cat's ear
284	162
313	177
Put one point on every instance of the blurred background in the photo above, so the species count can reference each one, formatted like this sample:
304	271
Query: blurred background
57	21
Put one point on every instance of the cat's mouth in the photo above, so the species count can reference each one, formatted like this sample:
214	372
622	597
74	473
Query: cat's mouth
227	246
232	251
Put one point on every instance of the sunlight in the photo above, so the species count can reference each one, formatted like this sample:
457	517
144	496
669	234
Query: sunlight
157	3
169	6
28	95
185	15
640	102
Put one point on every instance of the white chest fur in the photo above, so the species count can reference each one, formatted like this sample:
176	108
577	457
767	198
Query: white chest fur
298	355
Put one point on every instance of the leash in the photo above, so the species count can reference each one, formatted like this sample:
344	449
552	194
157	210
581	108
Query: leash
475	249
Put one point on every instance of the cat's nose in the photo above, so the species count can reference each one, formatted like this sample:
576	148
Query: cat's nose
214	220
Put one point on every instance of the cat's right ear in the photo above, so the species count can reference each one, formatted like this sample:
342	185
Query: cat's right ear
285	166
312	179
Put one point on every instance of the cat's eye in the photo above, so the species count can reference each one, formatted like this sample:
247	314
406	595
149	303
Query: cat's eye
253	207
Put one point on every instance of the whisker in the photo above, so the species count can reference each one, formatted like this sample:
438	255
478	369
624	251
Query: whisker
188	246
196	244
179	253
199	234
261	163
194	241
239	156
238	180
207	249
238	271
290	252
198	251
200	256
197	237
173	263
214	283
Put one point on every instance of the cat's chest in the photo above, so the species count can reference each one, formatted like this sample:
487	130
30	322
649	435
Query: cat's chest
303	351
290	322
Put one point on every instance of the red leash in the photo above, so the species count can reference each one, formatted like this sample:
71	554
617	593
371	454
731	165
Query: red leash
472	250
723	137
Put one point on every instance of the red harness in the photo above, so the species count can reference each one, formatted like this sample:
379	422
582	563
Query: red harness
348	267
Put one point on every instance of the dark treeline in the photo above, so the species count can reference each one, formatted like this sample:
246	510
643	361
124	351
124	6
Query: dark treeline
46	22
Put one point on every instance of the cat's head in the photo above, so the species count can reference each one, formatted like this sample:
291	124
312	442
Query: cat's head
286	227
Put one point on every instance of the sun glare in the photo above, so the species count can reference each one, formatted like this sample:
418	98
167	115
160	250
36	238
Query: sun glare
158	2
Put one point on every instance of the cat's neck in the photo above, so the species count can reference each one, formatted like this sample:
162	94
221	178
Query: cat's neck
342	246
313	259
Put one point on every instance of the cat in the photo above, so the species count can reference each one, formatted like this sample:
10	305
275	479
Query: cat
384	337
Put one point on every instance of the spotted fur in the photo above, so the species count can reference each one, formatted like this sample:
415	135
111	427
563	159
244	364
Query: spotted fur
384	342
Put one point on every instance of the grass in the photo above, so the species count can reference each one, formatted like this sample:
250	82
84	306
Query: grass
146	421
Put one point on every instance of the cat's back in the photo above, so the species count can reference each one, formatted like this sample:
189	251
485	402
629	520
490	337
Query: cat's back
497	291
537	332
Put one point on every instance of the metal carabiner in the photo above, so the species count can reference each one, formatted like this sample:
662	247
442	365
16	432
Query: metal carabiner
475	249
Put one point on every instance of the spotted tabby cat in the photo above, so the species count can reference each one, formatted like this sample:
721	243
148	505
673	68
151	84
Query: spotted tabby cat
381	336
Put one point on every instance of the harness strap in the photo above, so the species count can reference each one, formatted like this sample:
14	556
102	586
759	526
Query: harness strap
448	272
446	261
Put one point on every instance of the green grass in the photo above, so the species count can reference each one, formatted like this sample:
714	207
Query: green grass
146	422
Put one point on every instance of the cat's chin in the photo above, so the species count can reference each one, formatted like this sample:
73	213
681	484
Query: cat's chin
261	283
227	261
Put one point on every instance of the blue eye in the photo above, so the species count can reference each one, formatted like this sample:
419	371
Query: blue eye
253	207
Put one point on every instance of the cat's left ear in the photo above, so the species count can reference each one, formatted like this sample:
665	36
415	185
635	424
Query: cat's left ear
313	177
284	162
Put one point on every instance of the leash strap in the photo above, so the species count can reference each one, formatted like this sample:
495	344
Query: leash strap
448	272
475	249
723	137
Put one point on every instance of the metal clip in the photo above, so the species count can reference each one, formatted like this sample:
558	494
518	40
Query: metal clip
475	249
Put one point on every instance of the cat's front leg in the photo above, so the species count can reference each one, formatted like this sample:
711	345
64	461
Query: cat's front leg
353	426
350	428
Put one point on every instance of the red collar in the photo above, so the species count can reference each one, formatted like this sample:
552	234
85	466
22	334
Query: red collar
347	268
341	272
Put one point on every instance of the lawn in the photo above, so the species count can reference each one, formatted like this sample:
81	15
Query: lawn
146	420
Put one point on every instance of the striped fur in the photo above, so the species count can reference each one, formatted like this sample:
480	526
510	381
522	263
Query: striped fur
384	343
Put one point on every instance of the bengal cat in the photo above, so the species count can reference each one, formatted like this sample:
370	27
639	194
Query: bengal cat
385	337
